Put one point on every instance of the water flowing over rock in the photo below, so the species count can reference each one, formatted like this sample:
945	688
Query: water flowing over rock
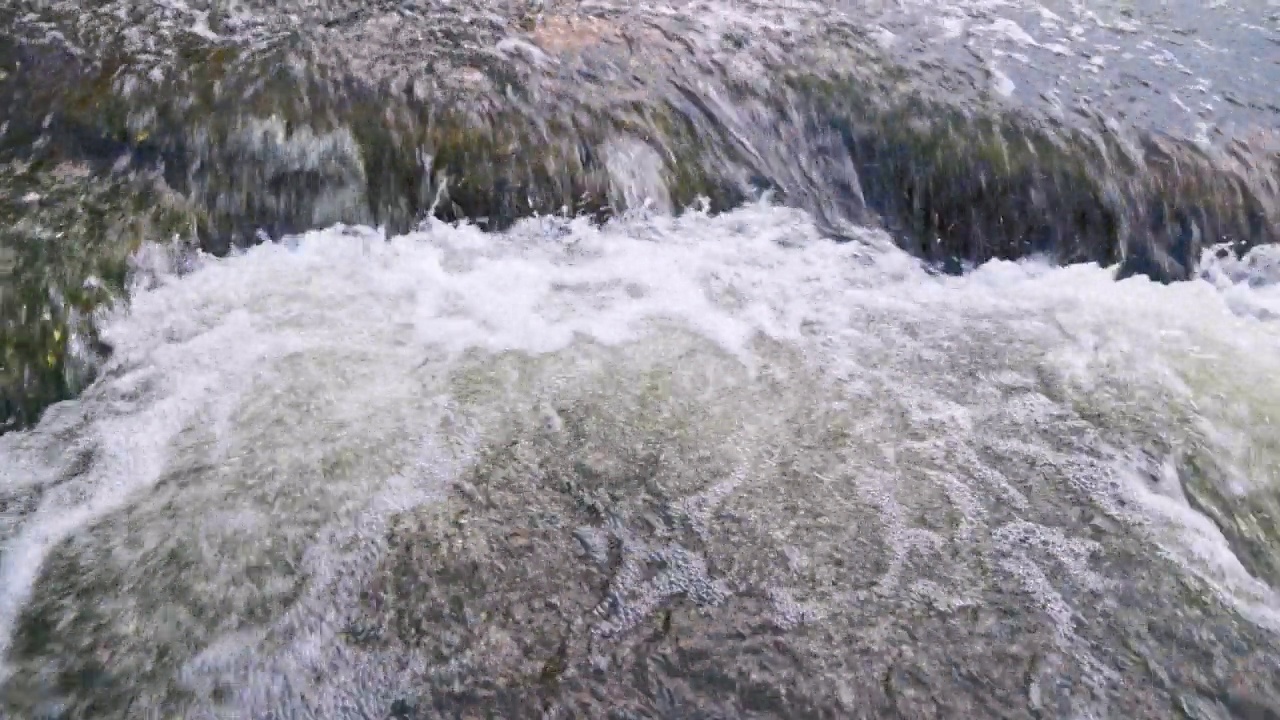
700	359
267	119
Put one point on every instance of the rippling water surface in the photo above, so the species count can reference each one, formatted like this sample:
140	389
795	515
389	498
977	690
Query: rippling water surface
706	361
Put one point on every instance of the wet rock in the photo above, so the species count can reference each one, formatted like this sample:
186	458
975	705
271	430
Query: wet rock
268	119
280	179
961	188
573	33
62	261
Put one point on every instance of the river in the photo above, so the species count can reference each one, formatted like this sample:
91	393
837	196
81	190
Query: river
696	360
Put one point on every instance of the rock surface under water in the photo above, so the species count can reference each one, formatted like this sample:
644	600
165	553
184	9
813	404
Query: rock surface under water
710	467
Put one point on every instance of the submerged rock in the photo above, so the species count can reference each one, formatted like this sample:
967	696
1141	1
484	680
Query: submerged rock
660	550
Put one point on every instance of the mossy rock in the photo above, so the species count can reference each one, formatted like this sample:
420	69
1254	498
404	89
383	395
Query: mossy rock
959	186
264	141
65	240
268	142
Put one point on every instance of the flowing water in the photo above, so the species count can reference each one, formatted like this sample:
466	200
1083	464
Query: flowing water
696	360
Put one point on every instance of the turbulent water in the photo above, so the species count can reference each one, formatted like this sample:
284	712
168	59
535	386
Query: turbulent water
1125	133
682	466
708	359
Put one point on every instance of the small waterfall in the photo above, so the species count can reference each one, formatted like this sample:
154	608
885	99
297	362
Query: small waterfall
226	123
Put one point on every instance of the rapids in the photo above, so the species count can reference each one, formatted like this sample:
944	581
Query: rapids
1124	133
390	359
671	466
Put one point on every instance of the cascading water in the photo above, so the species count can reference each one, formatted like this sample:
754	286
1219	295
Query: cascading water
710	360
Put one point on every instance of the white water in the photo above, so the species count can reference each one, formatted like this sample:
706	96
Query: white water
295	395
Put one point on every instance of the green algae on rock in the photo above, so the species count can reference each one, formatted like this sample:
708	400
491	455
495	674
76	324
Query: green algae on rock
65	242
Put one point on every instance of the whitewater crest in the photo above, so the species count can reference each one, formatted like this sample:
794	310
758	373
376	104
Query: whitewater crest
693	466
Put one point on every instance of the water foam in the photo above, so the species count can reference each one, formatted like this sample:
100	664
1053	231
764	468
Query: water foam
334	355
